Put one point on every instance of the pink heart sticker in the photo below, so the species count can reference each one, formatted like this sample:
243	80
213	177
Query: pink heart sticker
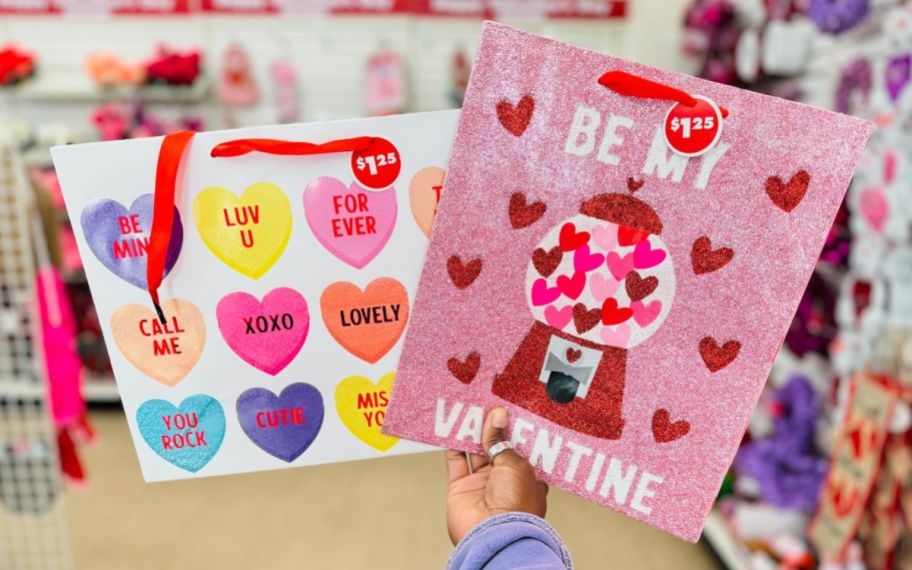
616	336
542	294
558	318
584	261
606	237
619	266
644	315
602	287
644	257
352	223
268	334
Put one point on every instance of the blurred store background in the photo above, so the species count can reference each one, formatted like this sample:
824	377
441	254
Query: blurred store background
87	70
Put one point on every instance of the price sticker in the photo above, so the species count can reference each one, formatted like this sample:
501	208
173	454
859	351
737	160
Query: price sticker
377	167
693	130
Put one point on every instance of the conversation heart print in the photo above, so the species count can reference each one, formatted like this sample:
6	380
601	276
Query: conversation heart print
424	195
165	352
367	324
283	426
361	405
250	233
187	436
266	334
352	223
119	236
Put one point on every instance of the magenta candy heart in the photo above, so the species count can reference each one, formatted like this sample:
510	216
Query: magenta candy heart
542	294
644	315
584	261
268	334
645	257
352	223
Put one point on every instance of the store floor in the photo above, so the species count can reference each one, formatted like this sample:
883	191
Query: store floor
386	514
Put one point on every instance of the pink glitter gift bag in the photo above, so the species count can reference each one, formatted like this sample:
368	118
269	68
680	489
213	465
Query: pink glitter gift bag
623	300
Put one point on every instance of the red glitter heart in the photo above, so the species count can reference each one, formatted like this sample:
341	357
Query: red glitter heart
843	501
633	184
465	370
718	357
546	262
614	315
639	288
463	274
523	215
788	196
573	354
516	119
631	236
705	259
663	430
570	239
572	286
585	319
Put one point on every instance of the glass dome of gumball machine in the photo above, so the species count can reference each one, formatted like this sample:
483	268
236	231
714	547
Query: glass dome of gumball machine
598	284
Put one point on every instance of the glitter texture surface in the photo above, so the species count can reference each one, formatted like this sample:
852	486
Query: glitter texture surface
637	396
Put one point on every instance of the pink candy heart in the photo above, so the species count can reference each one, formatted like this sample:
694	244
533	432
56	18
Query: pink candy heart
644	315
352	223
585	261
558	318
606	237
268	334
542	294
602	287
644	257
617	336
619	266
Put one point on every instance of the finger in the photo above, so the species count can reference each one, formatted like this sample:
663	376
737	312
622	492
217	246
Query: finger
457	468
495	431
478	461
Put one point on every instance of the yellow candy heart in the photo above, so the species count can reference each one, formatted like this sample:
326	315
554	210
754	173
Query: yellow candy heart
361	405
248	234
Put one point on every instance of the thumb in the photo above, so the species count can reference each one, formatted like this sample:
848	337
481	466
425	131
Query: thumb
495	431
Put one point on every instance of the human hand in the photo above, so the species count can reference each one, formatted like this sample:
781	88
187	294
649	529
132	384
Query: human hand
507	485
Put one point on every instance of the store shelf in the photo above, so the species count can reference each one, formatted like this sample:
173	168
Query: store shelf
724	542
100	389
81	90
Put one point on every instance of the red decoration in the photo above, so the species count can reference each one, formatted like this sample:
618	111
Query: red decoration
463	274
787	196
523	215
639	288
717	357
585	319
573	354
546	262
631	236
516	119
664	431
465	370
614	315
705	259
570	239
633	184
572	286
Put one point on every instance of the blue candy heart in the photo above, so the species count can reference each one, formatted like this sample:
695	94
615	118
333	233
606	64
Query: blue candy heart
188	436
284	425
119	237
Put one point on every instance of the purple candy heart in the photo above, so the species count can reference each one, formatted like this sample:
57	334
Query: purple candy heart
119	237
285	425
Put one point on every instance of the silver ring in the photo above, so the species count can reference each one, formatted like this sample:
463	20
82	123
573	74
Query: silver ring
497	449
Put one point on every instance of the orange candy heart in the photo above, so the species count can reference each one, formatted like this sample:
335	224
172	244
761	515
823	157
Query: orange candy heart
367	324
165	352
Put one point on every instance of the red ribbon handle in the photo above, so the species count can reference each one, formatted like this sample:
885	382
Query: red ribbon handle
634	86
169	160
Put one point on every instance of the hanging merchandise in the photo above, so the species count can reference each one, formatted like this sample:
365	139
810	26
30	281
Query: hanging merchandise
170	67
16	64
108	70
460	69
711	34
236	87
285	89
384	84
837	16
312	361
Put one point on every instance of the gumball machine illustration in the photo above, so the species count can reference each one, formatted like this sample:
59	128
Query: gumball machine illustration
598	284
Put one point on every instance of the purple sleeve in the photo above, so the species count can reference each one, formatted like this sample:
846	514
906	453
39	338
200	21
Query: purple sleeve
514	541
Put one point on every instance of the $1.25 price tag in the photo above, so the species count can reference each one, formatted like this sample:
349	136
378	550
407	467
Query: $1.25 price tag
693	130
377	167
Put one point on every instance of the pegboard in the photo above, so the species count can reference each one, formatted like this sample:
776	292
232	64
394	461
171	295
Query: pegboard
33	532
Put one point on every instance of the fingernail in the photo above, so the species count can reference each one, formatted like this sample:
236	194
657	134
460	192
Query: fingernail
499	418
